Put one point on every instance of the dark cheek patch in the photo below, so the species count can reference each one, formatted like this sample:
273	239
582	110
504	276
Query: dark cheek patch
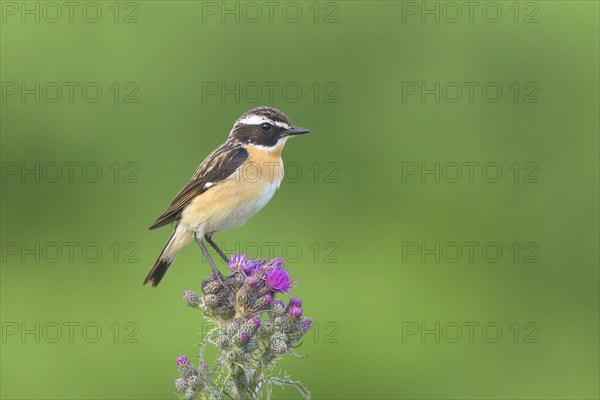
253	134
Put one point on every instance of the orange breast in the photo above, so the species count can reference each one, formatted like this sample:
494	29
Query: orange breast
266	164
232	202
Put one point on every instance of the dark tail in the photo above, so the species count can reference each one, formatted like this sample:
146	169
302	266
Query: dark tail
161	265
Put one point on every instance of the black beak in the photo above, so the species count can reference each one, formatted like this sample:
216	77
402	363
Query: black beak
296	130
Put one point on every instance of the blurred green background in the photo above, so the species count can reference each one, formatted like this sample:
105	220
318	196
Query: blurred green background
360	229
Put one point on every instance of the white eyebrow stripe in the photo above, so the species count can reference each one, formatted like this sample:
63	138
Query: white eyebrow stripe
254	119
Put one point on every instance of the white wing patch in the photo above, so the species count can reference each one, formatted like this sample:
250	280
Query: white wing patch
208	184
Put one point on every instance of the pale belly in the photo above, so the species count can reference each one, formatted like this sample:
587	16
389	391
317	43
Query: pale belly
242	212
229	204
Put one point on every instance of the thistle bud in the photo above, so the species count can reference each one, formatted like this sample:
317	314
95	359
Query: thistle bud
266	329
250	326
289	320
247	293
278	321
182	360
232	327
241	338
278	336
262	303
210	301
295	302
222	340
278	306
211	286
180	384
305	324
295	312
186	368
279	346
194	382
191	299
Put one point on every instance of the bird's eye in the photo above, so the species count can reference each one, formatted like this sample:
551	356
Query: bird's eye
266	127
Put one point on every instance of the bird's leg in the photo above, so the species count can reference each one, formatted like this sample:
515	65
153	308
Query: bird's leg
217	249
214	268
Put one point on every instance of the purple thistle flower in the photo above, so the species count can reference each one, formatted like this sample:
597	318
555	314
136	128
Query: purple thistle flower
244	336
182	360
255	321
305	325
239	262
267	298
278	279
254	266
295	302
296	312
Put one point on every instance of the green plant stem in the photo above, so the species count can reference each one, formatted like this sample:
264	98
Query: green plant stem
239	380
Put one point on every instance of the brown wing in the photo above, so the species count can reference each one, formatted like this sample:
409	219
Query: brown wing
218	166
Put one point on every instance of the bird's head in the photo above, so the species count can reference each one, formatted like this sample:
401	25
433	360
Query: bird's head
264	126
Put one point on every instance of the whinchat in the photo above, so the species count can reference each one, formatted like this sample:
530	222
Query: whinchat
231	185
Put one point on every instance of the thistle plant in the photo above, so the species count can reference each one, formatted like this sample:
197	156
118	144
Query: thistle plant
251	329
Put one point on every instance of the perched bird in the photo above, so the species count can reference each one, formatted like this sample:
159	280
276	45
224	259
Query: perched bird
231	185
